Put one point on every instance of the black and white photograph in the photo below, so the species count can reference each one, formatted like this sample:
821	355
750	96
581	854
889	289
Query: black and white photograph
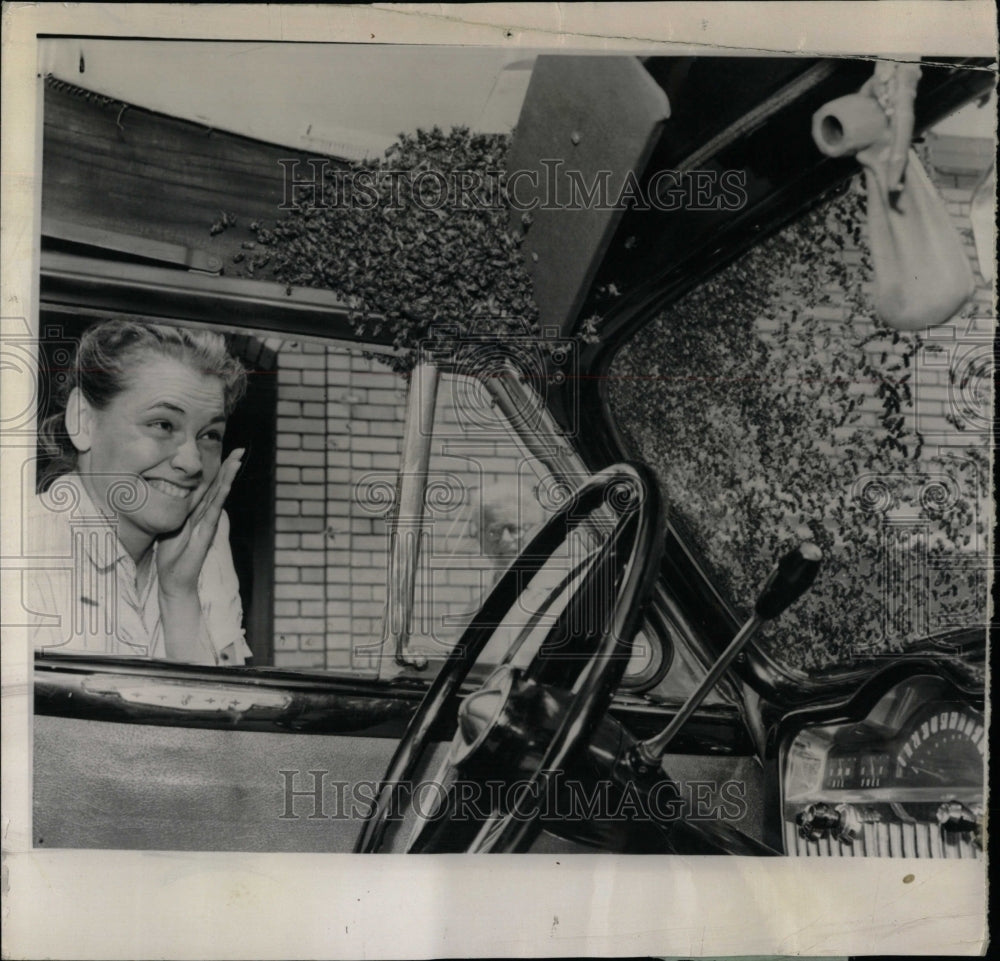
502	447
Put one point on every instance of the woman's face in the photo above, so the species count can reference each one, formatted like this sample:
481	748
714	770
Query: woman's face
163	430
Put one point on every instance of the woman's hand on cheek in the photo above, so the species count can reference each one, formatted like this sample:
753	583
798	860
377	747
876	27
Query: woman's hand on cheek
180	556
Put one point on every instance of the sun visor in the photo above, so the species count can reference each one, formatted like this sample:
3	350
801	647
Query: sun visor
587	126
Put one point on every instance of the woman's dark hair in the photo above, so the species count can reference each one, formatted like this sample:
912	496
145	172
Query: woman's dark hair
100	369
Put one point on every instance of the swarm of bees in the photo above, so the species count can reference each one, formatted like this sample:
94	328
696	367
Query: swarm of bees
224	221
418	241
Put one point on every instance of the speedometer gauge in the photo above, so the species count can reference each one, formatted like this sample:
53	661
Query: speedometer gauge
944	749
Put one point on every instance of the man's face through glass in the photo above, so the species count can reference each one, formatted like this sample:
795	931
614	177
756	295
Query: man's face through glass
500	538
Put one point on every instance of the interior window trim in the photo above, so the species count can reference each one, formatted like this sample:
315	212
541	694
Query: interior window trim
116	287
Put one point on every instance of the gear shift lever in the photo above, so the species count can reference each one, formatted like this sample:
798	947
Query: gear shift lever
788	582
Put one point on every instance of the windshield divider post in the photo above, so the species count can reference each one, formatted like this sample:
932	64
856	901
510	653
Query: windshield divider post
406	527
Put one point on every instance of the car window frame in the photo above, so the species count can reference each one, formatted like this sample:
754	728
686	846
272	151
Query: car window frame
91	284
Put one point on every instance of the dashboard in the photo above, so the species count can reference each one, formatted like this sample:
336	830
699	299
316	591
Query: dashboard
904	779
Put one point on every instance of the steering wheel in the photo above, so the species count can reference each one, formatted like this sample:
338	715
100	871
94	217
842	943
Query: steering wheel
523	724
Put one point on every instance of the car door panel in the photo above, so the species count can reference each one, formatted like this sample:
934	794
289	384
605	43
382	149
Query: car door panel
102	784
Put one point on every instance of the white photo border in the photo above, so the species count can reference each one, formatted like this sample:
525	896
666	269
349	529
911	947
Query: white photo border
115	904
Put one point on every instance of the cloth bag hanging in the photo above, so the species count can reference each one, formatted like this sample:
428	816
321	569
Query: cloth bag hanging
922	274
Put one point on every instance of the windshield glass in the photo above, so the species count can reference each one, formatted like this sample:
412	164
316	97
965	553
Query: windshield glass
774	408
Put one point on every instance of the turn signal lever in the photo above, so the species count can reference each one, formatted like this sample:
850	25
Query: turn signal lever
788	582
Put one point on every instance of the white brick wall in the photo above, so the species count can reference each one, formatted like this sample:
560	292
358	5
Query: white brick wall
329	556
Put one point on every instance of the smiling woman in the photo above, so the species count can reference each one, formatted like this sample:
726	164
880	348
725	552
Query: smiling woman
133	497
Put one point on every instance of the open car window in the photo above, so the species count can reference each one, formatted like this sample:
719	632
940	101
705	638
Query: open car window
320	527
315	514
